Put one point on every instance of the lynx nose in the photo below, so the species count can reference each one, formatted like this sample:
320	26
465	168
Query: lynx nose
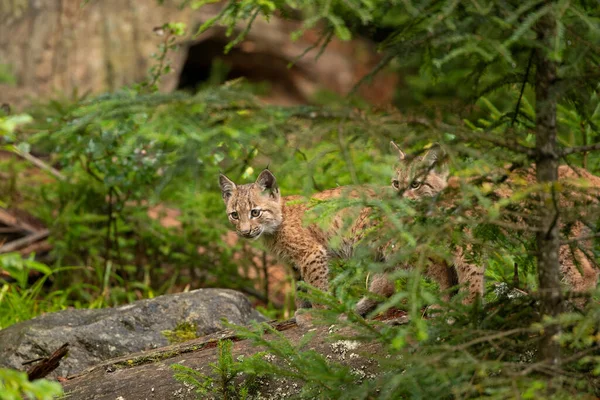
245	230
409	195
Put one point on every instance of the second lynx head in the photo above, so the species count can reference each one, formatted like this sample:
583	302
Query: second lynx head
420	176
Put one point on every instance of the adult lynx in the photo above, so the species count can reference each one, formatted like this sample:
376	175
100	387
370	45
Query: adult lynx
426	176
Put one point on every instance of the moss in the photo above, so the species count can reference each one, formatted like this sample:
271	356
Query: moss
132	362
159	356
183	332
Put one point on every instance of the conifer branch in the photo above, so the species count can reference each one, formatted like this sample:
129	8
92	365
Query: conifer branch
579	149
507	144
38	163
321	43
384	61
589	45
499	83
518	106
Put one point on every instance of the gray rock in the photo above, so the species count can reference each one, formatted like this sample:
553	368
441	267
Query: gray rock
97	335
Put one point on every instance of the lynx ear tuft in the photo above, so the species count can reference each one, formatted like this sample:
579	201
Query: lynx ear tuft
401	154
227	187
267	183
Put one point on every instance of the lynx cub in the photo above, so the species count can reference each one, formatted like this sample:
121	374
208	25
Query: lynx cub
425	176
258	210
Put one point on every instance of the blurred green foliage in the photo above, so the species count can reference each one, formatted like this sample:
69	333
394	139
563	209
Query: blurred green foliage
14	385
225	371
130	156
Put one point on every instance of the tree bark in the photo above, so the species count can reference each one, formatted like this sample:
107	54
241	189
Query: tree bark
547	154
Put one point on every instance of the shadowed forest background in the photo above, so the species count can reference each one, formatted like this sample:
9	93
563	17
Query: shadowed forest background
117	118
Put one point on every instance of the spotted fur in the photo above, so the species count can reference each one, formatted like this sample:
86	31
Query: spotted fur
427	176
258	210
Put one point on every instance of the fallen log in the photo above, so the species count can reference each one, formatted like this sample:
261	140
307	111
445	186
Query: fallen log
148	374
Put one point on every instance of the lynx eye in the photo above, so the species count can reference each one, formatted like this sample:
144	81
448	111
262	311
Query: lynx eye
415	185
234	215
255	213
396	184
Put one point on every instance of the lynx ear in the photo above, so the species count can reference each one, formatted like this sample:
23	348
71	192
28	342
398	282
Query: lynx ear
434	154
227	187
435	157
401	154
267	183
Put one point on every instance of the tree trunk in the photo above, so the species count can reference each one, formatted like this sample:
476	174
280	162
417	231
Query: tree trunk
548	241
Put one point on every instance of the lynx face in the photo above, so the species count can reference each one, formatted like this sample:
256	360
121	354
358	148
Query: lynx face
254	208
421	176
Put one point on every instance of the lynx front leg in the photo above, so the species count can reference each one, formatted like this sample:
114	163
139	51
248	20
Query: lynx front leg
314	269
445	276
301	303
469	275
